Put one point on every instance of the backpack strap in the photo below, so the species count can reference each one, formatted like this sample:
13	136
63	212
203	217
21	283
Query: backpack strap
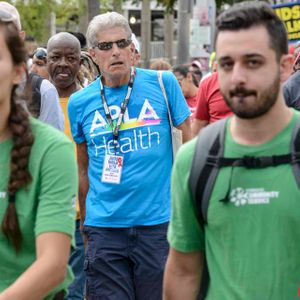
210	143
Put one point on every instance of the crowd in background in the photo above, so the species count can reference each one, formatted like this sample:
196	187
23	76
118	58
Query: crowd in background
92	190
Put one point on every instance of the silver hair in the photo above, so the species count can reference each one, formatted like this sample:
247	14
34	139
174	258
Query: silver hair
104	22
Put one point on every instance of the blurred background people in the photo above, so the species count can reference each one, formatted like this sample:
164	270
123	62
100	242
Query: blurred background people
291	88
196	69
189	86
211	105
39	62
160	64
137	50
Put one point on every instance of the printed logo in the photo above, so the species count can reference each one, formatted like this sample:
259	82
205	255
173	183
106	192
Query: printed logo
2	195
240	196
142	137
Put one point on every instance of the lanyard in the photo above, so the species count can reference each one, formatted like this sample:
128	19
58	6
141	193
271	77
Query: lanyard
115	129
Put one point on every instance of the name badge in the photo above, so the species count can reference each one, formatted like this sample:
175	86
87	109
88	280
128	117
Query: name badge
112	169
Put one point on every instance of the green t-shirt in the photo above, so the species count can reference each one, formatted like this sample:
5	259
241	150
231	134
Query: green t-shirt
47	204
251	242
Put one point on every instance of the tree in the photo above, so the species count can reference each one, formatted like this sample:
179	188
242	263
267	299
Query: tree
35	16
117	6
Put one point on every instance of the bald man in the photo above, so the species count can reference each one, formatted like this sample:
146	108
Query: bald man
63	63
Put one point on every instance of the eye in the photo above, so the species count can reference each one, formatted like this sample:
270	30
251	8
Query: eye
254	63
54	58
122	43
226	65
71	59
105	45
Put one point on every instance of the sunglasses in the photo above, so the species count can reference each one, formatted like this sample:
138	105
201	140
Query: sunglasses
40	53
6	17
108	45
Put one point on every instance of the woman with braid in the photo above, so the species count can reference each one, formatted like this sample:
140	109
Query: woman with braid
38	183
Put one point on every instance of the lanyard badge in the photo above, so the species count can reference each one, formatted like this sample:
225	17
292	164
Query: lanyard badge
116	128
113	164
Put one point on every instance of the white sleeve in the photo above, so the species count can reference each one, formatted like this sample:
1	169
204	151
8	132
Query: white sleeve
50	111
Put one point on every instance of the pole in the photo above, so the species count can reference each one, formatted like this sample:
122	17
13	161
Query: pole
146	33
183	29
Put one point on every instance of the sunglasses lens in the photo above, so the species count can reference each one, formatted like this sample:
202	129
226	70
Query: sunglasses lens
122	43
105	45
108	45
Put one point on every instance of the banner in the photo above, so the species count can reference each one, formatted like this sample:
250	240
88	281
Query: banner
289	13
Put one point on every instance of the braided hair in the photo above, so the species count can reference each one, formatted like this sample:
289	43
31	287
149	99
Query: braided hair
22	137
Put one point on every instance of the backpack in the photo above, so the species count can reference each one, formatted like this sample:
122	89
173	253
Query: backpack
207	161
35	82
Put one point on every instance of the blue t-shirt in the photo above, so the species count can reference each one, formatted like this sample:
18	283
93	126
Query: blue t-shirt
143	195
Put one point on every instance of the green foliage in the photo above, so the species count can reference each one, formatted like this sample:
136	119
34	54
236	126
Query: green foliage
68	13
35	16
168	4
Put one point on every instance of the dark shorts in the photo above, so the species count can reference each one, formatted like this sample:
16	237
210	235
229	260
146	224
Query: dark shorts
125	263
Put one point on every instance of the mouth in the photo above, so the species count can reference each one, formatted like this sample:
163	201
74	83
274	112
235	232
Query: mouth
116	64
63	76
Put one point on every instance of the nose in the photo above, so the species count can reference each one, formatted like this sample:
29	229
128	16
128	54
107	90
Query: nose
239	74
115	50
62	61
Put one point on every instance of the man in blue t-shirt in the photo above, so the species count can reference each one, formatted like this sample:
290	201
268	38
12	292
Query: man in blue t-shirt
121	127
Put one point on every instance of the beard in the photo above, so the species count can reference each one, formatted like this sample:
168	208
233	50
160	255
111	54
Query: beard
262	104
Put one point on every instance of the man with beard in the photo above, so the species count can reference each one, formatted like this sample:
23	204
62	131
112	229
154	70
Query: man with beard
253	214
63	62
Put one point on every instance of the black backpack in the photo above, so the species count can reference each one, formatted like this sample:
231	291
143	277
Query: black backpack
35	81
207	161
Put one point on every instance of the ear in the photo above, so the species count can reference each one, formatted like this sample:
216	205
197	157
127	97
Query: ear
18	73
92	53
132	49
286	67
22	35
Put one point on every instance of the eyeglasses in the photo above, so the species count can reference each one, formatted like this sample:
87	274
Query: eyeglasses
6	17
40	53
108	45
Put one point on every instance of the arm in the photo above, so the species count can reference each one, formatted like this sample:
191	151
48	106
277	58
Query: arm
82	160
202	115
182	275
185	127
197	125
48	271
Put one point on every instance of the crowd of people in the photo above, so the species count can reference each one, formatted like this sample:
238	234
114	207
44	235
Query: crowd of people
94	203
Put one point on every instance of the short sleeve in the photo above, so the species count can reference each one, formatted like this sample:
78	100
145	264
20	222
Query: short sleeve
50	112
184	233
178	106
57	189
75	122
202	110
